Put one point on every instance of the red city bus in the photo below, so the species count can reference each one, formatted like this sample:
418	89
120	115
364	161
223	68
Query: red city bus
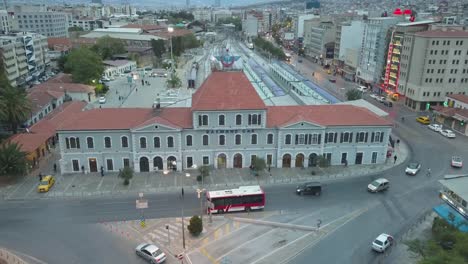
244	198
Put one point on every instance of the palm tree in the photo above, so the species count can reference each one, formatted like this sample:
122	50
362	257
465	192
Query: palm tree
173	81
15	107
12	160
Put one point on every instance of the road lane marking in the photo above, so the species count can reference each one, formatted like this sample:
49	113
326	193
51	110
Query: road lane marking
11	193
210	258
68	186
100	183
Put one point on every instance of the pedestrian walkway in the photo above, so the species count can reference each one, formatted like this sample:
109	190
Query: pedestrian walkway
93	184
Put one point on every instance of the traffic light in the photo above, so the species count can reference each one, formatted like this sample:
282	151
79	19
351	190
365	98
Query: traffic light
462	123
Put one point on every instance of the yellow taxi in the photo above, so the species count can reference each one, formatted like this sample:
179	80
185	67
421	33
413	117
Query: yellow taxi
423	120
329	71
46	183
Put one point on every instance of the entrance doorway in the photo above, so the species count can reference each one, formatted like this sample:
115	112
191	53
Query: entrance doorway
158	163
286	161
344	158
312	160
144	164
358	158
299	160
222	161
92	164
238	161
172	163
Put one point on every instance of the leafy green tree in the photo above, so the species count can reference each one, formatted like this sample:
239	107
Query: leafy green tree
12	160
204	172
259	165
127	174
231	20
84	65
75	28
195	226
417	247
173	81
158	47
61	63
353	94
15	107
107	47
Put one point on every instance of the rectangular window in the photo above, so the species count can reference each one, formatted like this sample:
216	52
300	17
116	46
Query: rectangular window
238	139
107	142
170	142
110	164
206	160
222	140
205	140
189	162
126	163
188	140
300	139
202	120
269	159
374	157
361	137
157	142
76	165
270	139
238	120
221	120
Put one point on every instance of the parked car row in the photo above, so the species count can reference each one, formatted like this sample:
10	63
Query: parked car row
381	99
436	127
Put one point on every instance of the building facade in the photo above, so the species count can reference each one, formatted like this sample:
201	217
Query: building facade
5	22
85	24
316	35
434	64
227	126
372	53
24	56
50	24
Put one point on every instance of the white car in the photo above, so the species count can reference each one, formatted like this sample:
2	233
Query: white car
378	185
447	133
151	253
435	127
413	168
382	242
456	162
362	88
102	100
374	96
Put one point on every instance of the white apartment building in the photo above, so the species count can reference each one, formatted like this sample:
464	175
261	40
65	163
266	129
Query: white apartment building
250	26
24	56
85	24
50	24
5	22
203	14
298	23
434	64
372	52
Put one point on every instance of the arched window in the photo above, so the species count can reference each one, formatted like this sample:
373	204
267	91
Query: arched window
222	140
142	142
238	120
270	138
205	140
170	142
287	140
90	142
124	141
188	140
107	142
157	142
253	139
238	139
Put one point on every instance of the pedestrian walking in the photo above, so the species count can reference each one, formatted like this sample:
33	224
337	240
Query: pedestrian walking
40	176
428	173
55	167
83	169
102	171
394	159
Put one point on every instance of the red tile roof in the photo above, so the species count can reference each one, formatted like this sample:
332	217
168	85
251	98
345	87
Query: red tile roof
459	97
127	118
324	115
40	98
450	111
449	33
40	132
61	78
65	87
59	43
227	91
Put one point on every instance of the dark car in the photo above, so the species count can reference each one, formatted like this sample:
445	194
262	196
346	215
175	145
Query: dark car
314	188
333	80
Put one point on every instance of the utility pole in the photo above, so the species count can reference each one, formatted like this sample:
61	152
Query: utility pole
183	227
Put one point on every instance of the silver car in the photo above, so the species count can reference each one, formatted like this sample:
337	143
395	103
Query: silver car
413	168
151	253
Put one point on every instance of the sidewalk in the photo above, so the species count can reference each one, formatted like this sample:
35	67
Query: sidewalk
93	185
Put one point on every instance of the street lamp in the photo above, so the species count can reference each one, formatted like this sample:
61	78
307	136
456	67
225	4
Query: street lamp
183	225
170	30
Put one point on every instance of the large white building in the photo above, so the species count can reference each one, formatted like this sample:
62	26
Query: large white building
372	53
316	35
5	22
227	125
50	24
24	56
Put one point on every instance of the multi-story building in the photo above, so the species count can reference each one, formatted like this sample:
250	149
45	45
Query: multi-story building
391	75
372	53
250	26
347	46
316	35
50	24
434	64
298	23
24	56
227	126
5	22
202	14
85	24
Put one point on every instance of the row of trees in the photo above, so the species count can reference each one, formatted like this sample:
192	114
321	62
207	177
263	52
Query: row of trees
171	16
267	46
231	20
